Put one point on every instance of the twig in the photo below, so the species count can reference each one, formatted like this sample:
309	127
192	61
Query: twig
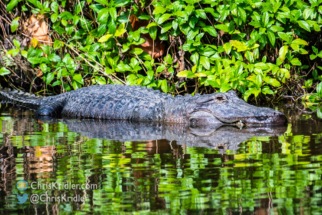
109	76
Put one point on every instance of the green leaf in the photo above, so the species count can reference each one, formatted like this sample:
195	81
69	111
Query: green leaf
312	56
14	24
54	7
145	17
242	14
46	49
272	81
295	47
258	81
103	15
296	62
271	37
211	30
37	4
100	80
163	18
4	71
160	68
284	37
164	85
267	90
320	54
194	58
123	67
166	27
54	17
24	8
78	78
249	56
16	43
66	87
111	26
319	89
282	52
79	7
12	4
34	60
58	44
303	24
303	51
307	13
151	25
300	42
54	58
168	59
66	15
56	83
250	91
96	7
153	32
224	28
24	53
205	62
193	21
103	2
224	87
159	9
121	3
265	19
319	113
276	28
183	74
227	47
136	51
201	13
255	24
113	13
50	77
120	30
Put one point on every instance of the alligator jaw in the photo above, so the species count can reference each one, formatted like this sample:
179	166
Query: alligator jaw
273	118
207	117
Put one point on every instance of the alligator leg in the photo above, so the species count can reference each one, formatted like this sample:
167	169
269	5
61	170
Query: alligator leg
51	109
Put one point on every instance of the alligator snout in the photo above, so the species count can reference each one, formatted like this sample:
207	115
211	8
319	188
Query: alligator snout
275	117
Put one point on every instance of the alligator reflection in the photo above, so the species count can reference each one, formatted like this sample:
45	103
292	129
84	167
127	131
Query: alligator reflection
153	168
217	137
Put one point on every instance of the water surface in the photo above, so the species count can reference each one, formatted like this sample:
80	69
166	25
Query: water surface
74	166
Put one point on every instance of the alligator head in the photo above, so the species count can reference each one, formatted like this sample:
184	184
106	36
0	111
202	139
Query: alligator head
227	108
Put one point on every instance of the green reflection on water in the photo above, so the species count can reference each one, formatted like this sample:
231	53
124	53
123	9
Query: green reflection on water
278	175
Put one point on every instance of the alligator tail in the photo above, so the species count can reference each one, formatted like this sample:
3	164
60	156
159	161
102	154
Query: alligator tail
20	98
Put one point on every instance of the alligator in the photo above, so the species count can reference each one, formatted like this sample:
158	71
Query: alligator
135	103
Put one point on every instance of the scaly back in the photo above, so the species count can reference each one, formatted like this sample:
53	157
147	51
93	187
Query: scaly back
116	102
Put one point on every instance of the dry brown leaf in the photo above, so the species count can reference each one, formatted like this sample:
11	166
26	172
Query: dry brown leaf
37	28
39	73
147	46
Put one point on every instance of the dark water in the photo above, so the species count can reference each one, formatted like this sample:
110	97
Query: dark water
72	167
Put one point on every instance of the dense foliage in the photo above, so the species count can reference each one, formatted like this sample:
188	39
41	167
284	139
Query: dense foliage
256	47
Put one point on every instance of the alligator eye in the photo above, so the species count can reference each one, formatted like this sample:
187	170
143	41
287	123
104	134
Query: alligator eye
220	98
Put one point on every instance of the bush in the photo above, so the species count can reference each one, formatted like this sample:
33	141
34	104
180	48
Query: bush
256	47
